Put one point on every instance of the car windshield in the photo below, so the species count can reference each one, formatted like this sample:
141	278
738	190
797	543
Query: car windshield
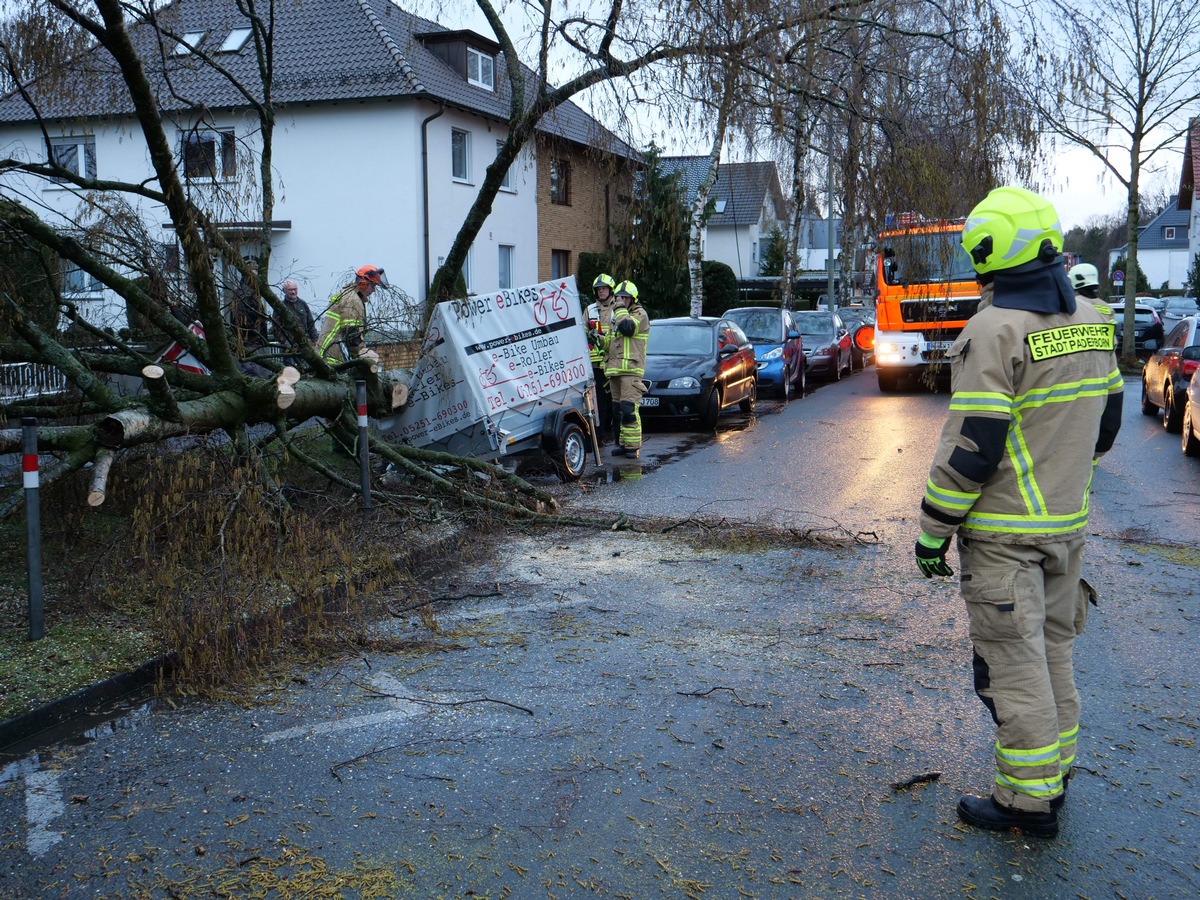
854	316
680	339
815	324
931	258
761	326
1182	306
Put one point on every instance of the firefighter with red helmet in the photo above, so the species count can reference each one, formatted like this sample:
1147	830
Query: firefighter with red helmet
344	326
1036	401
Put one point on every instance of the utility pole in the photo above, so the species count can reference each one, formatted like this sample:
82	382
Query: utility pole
832	299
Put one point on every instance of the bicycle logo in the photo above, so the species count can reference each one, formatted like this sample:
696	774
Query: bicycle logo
558	305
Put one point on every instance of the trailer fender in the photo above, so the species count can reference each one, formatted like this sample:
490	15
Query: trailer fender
555	422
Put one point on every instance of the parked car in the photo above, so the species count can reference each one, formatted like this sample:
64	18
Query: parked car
697	368
1147	328
1190	426
1177	308
826	344
782	366
854	318
1169	370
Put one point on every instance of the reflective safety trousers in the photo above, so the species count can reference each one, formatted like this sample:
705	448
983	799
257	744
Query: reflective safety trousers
1026	605
1036	400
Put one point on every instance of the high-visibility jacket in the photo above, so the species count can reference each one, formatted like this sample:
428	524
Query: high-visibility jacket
627	355
1036	401
344	323
599	317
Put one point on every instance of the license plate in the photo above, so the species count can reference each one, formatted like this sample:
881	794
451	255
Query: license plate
649	401
941	345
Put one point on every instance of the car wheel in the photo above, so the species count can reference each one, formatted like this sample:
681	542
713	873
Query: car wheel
787	384
747	405
1191	443
803	378
712	411
1172	413
571	457
1148	408
837	368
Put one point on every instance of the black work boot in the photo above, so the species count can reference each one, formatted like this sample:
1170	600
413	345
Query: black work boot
985	812
1056	803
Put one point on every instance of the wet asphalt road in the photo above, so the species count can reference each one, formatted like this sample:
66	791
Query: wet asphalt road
622	714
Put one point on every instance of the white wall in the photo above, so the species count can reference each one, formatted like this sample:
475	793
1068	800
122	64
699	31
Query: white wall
1159	265
348	177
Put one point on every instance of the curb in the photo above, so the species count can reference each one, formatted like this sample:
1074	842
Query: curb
83	702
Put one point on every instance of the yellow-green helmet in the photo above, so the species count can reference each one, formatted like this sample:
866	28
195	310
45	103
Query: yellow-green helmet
1011	226
628	289
606	280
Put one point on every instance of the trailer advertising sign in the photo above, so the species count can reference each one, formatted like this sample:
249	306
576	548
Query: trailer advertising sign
491	353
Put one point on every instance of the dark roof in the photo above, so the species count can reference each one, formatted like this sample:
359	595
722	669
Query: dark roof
325	51
1189	178
743	187
1150	236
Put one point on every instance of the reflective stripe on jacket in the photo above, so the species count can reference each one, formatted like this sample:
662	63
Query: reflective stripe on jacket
599	317
627	355
1036	401
344	321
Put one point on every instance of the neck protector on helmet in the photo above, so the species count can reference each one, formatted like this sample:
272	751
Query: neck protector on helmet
1036	287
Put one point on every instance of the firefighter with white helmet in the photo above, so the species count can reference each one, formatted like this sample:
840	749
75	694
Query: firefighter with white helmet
625	364
1086	281
1036	401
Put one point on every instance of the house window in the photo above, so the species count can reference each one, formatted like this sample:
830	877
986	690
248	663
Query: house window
76	155
466	270
236	40
1169	233
481	69
754	251
76	282
460	155
189	40
560	183
209	153
560	263
506	183
508	256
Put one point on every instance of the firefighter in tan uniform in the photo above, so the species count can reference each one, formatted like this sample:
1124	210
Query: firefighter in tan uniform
599	324
344	325
625	364
1036	401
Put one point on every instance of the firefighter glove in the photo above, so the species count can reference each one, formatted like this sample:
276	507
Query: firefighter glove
931	555
627	326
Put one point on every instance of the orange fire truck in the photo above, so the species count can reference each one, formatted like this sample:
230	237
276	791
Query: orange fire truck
926	291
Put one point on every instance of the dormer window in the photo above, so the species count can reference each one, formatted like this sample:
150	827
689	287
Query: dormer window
481	69
236	40
189	40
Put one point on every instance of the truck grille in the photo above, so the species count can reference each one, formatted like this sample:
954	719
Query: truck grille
938	310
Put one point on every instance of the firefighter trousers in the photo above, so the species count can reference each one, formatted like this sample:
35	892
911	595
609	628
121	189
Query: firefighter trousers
1026	604
627	393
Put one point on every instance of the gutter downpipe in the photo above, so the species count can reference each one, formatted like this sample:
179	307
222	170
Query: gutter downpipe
425	188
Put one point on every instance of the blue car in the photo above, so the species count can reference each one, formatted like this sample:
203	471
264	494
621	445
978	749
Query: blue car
778	346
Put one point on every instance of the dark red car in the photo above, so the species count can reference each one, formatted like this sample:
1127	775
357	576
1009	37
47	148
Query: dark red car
1168	371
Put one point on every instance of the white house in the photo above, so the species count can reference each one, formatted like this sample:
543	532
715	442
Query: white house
747	203
386	123
1163	248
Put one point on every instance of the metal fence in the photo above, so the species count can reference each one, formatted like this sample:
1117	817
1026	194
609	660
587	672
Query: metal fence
24	381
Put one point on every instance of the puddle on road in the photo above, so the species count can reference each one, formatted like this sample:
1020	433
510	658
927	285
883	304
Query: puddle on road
123	715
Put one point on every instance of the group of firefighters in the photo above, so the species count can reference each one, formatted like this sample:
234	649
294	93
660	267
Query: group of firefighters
617	330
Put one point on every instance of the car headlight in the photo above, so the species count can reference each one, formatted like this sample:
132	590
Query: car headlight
888	348
772	354
687	382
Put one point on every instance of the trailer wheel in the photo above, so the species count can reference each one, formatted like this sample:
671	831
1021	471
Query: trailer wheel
571	457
